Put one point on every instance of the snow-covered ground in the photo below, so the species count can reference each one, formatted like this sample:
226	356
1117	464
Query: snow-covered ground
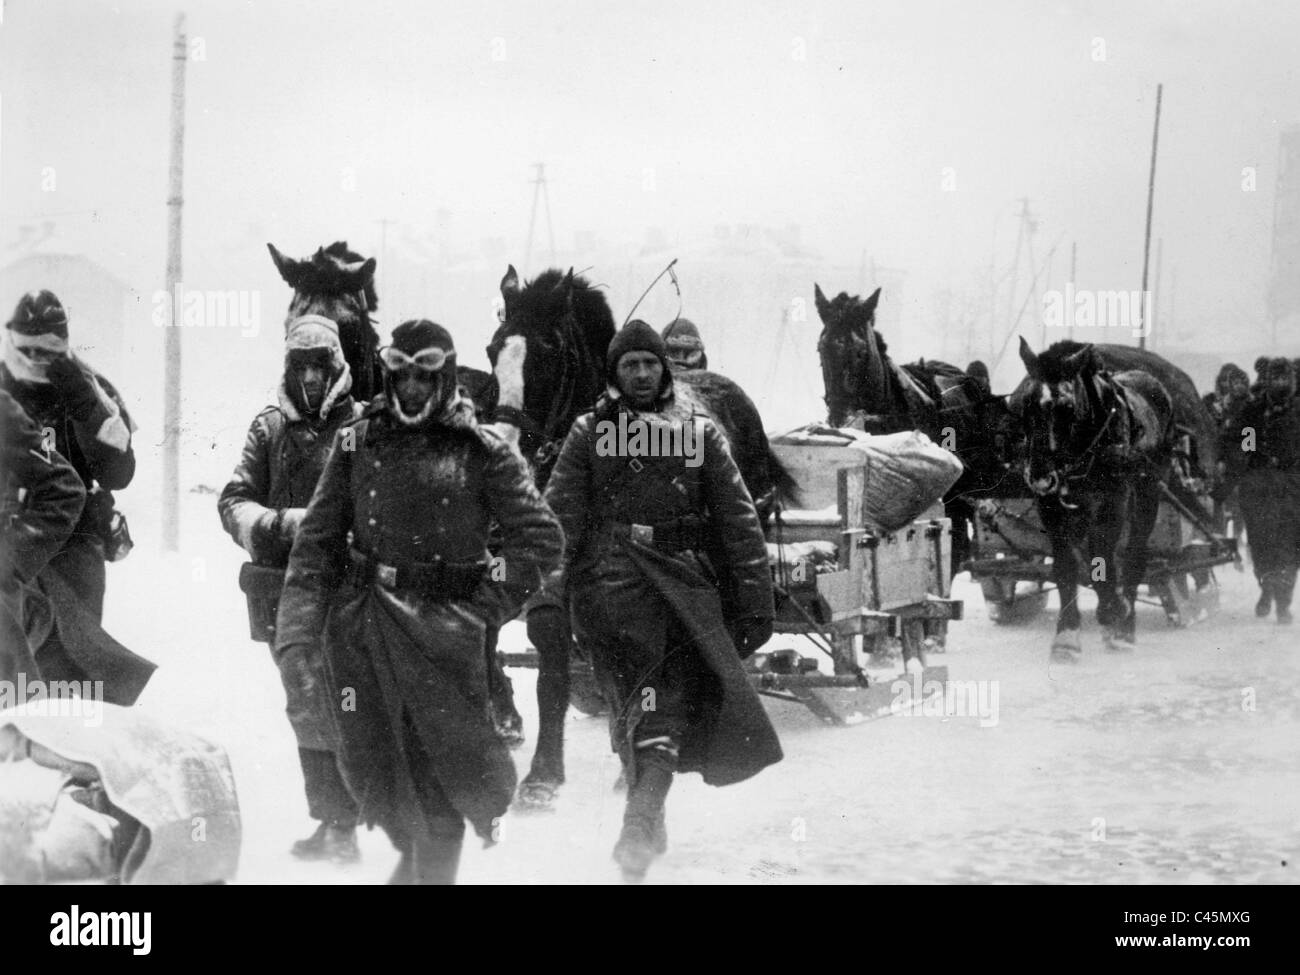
1176	763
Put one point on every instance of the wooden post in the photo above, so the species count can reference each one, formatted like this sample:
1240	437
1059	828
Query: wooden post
1151	195
1074	258
172	354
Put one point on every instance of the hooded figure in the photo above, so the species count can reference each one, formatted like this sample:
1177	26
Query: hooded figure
654	512
83	419
979	372
685	348
390	577
1268	448
91	429
262	508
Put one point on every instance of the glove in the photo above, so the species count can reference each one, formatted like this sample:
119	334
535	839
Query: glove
751	632
75	388
290	520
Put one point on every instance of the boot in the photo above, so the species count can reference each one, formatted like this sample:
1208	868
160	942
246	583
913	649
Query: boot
1282	591
644	834
437	856
404	873
1265	603
329	842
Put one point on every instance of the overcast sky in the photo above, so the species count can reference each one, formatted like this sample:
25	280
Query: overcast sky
903	130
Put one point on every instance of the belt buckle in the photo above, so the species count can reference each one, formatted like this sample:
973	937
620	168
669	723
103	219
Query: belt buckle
386	575
645	534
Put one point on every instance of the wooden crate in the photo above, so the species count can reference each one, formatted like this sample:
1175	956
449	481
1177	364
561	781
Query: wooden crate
832	478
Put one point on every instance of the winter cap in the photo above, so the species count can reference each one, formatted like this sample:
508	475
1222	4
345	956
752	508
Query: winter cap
39	313
681	335
419	334
1230	372
1278	368
635	336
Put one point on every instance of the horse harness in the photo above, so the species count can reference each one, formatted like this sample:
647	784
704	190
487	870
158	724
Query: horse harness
552	432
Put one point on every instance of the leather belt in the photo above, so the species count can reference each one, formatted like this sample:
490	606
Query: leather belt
438	579
680	535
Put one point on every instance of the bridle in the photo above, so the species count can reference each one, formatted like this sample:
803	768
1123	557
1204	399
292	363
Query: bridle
1080	467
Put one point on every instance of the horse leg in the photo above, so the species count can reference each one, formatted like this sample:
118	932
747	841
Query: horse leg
1106	572
1144	511
548	629
960	512
1066	646
507	720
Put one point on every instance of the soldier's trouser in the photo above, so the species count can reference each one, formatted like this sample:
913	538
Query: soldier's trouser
654	671
434	838
328	799
1270	501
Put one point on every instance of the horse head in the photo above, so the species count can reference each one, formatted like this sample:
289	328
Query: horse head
338	284
1061	405
852	356
548	357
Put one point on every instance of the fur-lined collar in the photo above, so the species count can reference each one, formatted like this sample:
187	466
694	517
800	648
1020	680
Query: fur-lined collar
458	414
669	405
338	389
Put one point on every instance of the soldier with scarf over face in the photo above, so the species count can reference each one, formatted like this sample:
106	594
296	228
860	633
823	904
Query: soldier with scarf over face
262	507
651	536
1267	458
90	424
81	417
390	575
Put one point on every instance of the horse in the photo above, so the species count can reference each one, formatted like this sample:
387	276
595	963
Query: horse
864	387
339	284
548	358
1100	446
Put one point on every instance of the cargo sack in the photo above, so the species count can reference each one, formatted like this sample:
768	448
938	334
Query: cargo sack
261	585
906	473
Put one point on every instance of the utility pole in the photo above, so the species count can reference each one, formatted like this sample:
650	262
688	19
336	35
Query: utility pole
1074	258
382	284
540	192
171	528
1155	292
1023	231
1151	196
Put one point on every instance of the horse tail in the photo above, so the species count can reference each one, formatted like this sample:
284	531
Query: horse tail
784	491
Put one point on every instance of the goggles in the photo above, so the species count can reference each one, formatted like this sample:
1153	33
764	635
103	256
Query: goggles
427	361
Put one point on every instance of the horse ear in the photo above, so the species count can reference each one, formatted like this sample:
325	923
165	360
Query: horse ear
510	283
823	306
873	300
568	290
1080	361
1029	359
290	270
360	273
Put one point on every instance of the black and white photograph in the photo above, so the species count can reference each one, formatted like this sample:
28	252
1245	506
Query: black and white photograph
806	442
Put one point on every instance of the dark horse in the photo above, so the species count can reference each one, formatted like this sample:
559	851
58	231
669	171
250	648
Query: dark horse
339	284
548	357
864	387
1100	446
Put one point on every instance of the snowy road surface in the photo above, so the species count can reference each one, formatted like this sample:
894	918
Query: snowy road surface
1178	763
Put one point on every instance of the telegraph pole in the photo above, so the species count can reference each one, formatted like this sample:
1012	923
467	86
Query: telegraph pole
172	349
539	193
1151	196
